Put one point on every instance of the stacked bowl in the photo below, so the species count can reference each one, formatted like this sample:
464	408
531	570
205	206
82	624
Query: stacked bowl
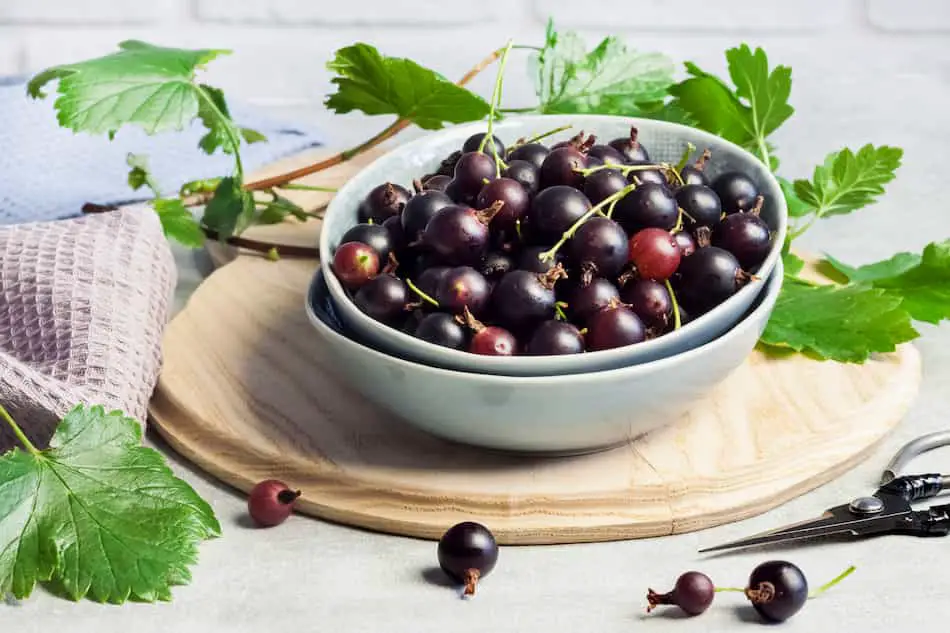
551	403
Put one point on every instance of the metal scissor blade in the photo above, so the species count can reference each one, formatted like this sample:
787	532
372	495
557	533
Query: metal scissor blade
837	520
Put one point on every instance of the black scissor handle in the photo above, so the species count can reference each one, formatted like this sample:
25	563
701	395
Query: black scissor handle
915	487
911	450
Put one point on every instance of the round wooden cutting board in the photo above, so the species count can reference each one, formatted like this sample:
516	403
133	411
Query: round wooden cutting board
248	393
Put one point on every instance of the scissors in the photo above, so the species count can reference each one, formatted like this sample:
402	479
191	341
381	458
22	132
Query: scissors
887	511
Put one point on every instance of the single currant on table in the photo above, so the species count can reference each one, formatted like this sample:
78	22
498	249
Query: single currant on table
541	250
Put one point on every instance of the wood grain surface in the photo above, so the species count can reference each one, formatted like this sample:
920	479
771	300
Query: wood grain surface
248	392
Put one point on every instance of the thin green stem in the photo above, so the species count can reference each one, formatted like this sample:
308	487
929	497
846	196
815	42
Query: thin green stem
817	215
421	294
549	254
730	589
292	185
517	110
764	151
677	322
559	311
495	104
690	148
527	47
229	130
20	435
625	169
831	583
542	135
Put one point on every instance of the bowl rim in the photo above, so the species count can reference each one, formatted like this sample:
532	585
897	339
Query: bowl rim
538	363
766	302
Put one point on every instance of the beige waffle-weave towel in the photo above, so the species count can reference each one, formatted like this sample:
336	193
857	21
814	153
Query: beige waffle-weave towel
83	304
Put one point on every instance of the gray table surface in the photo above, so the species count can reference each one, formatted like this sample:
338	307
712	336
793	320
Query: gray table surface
308	575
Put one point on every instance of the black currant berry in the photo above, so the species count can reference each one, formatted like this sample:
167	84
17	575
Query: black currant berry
746	236
458	235
523	299
648	206
695	174
606	154
471	172
693	593
419	210
685	242
441	329
736	191
644	176
512	197
584	299
602	184
525	173
376	236
630	148
651	301
468	552
599	248
554	338
777	589
707	278
534	153
472	142
429	278
383	201
560	168
495	265
383	298
700	204
554	210
463	287
614	326
436	183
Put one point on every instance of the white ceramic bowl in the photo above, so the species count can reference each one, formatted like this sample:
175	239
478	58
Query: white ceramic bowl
555	414
664	141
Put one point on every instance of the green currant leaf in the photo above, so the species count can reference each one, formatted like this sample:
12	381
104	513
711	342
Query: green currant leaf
139	174
610	79
792	263
148	86
842	323
922	282
746	114
178	222
276	210
848	181
231	210
373	84
252	136
97	513
796	207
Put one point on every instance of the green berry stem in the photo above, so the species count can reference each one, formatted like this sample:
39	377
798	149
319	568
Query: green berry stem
568	234
542	135
18	432
730	589
828	585
495	105
624	169
299	187
421	294
677	322
690	148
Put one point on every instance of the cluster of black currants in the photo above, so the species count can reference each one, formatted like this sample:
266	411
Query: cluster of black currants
537	250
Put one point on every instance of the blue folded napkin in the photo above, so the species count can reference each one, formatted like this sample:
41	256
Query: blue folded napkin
48	173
